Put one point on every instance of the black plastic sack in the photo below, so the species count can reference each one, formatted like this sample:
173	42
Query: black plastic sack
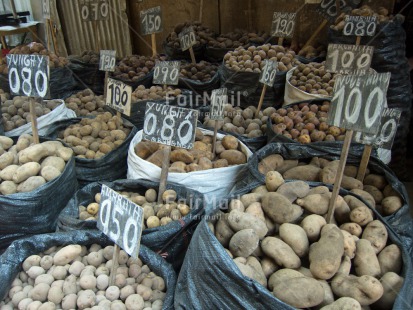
216	54
209	279
36	212
11	260
305	60
112	166
62	83
145	81
198	87
171	240
88	75
178	54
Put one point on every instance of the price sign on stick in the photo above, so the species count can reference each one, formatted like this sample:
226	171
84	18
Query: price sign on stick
170	125
91	10
358	102
119	96
121	220
28	75
349	59
151	20
107	60
360	26
46	9
283	25
166	72
269	72
328	8
187	38
218	99
387	131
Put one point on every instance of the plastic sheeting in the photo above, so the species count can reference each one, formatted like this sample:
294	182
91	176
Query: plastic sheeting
11	260
88	75
171	240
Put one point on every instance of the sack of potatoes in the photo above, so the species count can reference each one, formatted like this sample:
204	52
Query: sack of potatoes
202	36
277	235
73	270
379	189
86	103
87	57
155	92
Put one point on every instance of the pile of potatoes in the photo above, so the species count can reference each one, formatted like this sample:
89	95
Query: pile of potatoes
155	214
34	48
382	15
242	121
239	38
25	166
154	93
86	103
277	235
312	78
134	67
311	52
75	277
93	138
202	34
16	111
251	59
4	96
305	123
88	57
374	189
227	153
202	71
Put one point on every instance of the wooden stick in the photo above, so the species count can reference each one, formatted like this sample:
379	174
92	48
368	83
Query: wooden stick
164	173
13	8
339	176
55	46
364	162
48	35
115	264
315	34
214	141
191	51
154	51
201	8
358	40
280	41
338	7
264	89
105	91
96	31
33	121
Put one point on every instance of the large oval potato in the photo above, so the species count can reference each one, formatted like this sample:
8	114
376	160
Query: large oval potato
238	220
279	209
390	259
376	233
280	252
244	242
312	225
392	284
366	261
295	237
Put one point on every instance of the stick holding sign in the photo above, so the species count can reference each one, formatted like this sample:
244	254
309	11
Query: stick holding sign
187	39
219	98
151	24
267	78
356	106
107	62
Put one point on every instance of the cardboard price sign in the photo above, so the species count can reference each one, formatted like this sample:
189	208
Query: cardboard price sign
119	96
46	9
121	220
187	38
328	8
283	25
387	130
91	10
358	102
349	59
360	26
218	99
28	75
151	20
107	60
269	73
166	72
170	125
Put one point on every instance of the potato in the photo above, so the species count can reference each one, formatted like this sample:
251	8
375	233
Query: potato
325	255
390	259
268	266
280	252
353	228
256	210
315	203
349	244
55	295
6	159
366	261
259	275
39	292
366	196
312	225
7	173
238	221
377	234
145	148
169	196
392	284
375	180
250	198
6	142
223	231
294	190
234	157
391	204
295	237
31	184
66	255
374	192
49	173
244	242
304	173
270	163
236	204
86	299
8	188
33	153
134	302
365	289
54	161
361	216
279	209
230	142
343	303
273	180
182	155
